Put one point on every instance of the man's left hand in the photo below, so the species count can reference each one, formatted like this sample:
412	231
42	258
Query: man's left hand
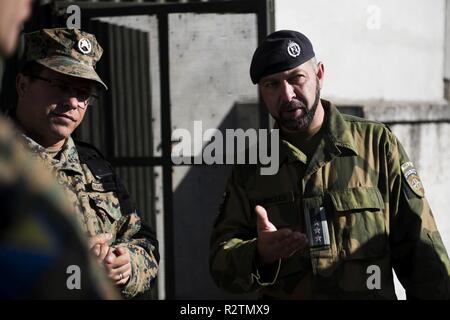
118	265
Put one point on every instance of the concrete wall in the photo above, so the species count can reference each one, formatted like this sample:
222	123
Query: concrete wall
209	61
424	132
373	49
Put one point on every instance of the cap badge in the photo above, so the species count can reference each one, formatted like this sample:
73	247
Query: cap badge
293	49
84	45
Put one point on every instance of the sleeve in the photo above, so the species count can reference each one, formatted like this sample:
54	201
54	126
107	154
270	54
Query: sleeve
233	243
141	242
418	254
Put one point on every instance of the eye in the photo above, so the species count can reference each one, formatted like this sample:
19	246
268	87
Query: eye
298	78
83	95
62	87
270	84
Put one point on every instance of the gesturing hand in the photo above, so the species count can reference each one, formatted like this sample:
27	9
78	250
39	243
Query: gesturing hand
273	244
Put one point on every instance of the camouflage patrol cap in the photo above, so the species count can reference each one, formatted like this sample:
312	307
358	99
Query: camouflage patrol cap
67	51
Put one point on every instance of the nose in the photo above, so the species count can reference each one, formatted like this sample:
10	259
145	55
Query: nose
72	102
287	92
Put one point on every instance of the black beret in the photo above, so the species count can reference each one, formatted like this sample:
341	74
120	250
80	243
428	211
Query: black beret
280	51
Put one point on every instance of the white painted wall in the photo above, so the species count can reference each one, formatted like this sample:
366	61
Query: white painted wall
373	49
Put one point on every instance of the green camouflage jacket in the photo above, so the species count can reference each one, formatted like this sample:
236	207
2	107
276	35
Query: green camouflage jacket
361	186
99	211
40	240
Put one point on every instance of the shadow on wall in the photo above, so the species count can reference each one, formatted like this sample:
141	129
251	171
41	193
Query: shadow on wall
196	205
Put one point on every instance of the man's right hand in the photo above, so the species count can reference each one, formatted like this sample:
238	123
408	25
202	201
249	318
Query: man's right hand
273	244
99	246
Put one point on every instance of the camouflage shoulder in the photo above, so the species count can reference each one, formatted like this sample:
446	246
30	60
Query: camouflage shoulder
375	126
351	118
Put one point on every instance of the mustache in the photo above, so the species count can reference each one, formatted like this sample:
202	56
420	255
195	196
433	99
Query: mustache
296	103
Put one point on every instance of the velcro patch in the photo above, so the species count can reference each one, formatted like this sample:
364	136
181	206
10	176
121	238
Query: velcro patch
412	178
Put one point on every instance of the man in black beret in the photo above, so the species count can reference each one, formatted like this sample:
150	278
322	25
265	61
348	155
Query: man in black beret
345	208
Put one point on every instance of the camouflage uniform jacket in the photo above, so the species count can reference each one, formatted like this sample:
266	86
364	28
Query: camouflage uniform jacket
39	237
99	210
375	212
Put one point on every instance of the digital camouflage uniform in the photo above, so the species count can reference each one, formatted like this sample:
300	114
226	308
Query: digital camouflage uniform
370	194
39	237
99	211
91	185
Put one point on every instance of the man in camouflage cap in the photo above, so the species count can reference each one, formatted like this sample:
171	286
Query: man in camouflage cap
345	208
54	88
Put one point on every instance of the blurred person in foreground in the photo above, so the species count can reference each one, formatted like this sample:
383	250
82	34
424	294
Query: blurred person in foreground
41	246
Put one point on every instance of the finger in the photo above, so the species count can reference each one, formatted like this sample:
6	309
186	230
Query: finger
126	276
99	239
120	261
294	243
120	251
96	250
110	257
262	221
282	234
104	249
293	238
115	273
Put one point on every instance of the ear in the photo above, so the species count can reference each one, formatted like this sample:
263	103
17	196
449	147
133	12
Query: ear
320	73
22	84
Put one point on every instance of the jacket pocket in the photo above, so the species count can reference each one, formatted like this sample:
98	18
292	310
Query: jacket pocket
359	223
106	206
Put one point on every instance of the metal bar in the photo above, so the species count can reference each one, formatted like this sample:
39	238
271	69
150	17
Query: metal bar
134	108
107	105
100	115
262	32
118	71
133	161
141	193
145	92
114	92
130	147
163	36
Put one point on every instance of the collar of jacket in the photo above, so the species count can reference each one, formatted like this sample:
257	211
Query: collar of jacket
69	160
337	139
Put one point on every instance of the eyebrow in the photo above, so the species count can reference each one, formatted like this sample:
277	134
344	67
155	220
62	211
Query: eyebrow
294	72
286	76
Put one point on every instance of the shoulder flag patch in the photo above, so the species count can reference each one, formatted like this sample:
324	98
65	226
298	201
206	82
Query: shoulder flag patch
412	178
